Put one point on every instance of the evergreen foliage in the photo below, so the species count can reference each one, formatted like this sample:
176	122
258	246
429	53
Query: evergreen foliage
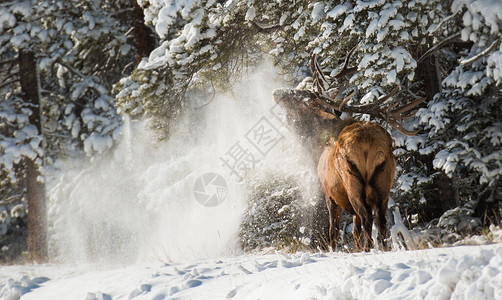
81	49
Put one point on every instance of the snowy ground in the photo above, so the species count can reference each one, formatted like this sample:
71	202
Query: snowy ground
464	272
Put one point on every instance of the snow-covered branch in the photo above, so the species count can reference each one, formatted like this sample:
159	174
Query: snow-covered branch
469	61
266	28
72	69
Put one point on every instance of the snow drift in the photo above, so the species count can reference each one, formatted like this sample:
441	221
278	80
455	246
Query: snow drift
466	272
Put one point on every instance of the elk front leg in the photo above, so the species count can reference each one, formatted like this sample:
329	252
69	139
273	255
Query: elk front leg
334	222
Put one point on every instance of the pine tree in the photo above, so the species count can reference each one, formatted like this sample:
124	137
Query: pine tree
463	120
59	60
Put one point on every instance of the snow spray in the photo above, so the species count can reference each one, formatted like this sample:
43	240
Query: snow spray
180	199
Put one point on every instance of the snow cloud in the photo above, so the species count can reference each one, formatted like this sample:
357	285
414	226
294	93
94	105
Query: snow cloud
138	202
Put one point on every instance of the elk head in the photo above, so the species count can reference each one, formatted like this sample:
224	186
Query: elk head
306	124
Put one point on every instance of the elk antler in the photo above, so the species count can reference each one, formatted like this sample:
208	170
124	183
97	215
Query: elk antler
392	113
345	70
323	101
320	85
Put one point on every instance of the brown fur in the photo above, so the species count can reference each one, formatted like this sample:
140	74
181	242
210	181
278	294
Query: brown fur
356	174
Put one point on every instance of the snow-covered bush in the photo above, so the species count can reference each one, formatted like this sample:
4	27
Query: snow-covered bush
460	219
276	215
13	219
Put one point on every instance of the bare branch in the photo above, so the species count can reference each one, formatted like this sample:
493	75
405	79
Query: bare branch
444	21
10	76
129	32
212	97
80	74
8	61
8	83
122	11
12	198
437	47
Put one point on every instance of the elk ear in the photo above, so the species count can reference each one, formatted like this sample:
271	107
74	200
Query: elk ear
324	114
320	112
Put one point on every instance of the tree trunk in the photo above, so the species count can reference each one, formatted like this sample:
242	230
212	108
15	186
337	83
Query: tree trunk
145	43
37	215
448	192
427	72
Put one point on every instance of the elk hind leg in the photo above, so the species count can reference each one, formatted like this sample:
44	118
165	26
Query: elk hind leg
382	226
356	232
367	227
366	220
334	222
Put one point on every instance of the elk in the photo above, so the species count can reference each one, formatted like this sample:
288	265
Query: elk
357	171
